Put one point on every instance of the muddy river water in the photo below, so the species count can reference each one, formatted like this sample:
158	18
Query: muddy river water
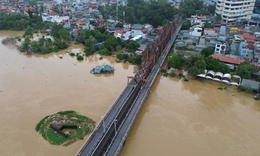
192	118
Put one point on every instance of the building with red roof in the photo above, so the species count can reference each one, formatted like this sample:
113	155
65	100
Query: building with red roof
249	38
226	59
141	29
244	32
159	28
199	19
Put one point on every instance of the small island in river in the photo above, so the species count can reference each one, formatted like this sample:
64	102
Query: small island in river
64	128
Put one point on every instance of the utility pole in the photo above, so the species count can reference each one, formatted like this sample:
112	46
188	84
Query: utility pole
104	127
124	16
116	10
115	126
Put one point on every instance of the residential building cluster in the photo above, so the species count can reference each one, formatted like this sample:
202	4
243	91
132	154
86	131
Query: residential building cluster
232	45
77	15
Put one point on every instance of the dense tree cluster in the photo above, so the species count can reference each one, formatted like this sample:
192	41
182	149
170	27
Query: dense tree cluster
154	12
21	22
216	65
104	43
14	22
139	11
245	70
192	7
206	52
43	45
57	31
134	59
195	65
176	60
95	41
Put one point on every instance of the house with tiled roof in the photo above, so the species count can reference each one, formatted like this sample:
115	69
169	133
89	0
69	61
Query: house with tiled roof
140	29
159	28
248	38
200	19
3	9
245	48
53	13
244	32
226	59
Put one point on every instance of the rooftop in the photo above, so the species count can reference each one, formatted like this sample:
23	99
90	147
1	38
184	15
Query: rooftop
249	38
254	85
226	59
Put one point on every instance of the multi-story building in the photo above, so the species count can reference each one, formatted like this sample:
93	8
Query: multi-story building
233	11
257	7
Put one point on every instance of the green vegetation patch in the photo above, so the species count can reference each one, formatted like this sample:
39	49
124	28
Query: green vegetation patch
72	54
80	58
71	127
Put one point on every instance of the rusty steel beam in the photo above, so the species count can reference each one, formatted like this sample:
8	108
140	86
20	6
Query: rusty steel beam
153	51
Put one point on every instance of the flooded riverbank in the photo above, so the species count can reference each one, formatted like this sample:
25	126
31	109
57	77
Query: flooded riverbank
178	118
33	86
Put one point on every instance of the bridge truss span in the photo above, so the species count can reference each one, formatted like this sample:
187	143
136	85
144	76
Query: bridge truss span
109	138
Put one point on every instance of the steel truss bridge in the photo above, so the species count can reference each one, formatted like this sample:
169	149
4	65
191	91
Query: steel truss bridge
110	134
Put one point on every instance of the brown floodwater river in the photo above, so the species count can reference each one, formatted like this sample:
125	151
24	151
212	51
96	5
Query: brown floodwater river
181	118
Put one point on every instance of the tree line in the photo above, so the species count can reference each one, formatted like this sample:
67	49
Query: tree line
102	42
154	12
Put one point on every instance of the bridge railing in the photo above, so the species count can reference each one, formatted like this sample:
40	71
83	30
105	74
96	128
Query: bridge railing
108	123
146	90
116	117
105	116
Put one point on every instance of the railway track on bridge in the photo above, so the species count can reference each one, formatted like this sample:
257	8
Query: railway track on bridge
109	136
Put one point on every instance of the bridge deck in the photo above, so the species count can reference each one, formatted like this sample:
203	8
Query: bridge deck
110	134
99	131
125	127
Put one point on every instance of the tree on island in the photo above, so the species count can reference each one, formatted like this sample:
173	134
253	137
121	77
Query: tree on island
28	32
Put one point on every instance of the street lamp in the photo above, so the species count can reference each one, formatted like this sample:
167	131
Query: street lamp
103	123
115	126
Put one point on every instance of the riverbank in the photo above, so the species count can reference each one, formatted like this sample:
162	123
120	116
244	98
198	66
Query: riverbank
33	86
191	118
